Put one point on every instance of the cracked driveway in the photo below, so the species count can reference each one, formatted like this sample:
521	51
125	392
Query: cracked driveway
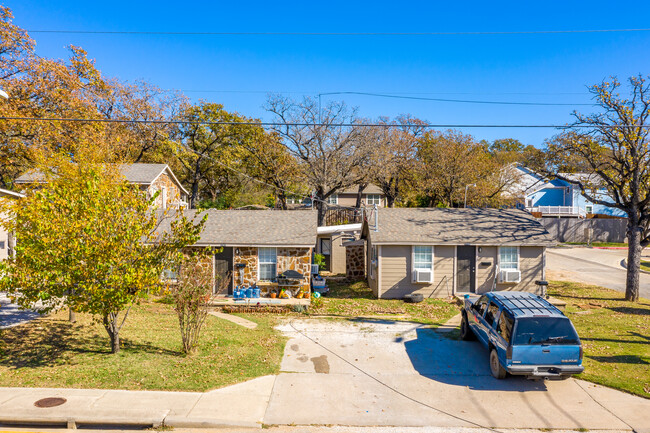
385	373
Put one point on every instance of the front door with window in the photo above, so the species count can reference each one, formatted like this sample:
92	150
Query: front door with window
466	269
326	251
223	269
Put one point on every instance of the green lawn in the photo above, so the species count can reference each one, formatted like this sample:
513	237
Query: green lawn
347	300
51	352
645	265
615	335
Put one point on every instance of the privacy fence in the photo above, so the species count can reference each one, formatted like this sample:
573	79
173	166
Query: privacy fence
586	230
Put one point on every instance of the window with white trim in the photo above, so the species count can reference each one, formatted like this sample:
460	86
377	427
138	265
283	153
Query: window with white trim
373	199
589	208
333	199
267	258
509	258
422	258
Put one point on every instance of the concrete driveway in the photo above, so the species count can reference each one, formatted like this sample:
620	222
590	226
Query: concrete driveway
601	267
384	373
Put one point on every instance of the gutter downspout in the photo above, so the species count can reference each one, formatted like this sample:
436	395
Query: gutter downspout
376	217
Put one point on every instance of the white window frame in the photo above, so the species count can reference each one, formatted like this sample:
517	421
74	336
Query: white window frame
260	263
518	268
414	268
372	199
333	199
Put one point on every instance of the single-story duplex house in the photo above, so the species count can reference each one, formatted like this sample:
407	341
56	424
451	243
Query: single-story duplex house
258	245
7	241
149	177
443	252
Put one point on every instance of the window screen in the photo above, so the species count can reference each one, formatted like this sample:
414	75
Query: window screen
509	258
268	261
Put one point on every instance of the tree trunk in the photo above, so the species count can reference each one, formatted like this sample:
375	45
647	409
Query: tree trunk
110	324
322	209
390	200
71	316
360	194
281	202
633	263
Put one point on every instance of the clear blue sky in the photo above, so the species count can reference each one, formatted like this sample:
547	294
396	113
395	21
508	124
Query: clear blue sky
539	68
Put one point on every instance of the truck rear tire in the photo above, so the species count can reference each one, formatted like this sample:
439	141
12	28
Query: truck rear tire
495	366
466	332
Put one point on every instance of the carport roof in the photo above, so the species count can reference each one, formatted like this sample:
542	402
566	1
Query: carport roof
436	226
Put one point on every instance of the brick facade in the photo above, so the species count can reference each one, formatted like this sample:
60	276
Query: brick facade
355	261
174	194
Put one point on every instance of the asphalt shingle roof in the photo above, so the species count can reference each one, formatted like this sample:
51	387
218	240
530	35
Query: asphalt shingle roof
135	173
255	227
435	226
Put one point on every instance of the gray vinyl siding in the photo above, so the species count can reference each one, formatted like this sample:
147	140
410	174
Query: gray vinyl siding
531	264
396	279
396	268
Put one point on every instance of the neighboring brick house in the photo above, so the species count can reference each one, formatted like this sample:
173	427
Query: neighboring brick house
258	245
7	241
443	252
150	177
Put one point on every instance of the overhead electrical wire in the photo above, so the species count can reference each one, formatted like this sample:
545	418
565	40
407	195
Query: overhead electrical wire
332	125
460	33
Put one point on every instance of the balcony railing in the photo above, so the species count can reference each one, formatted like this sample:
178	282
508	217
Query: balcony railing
335	216
570	211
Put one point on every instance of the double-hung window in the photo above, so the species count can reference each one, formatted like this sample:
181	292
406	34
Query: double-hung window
373	199
268	263
509	258
423	264
333	199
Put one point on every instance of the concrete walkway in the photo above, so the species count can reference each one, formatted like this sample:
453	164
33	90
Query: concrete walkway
593	266
241	405
234	319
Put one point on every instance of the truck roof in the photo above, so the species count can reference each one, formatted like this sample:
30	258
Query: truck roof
524	304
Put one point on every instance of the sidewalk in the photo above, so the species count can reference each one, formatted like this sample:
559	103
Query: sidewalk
241	405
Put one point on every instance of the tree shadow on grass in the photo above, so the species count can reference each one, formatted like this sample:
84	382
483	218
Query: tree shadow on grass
49	342
631	310
620	359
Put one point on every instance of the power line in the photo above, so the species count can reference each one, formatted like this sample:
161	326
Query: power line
307	124
391	93
465	101
461	33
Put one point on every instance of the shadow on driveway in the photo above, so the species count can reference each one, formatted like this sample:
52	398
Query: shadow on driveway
461	363
11	315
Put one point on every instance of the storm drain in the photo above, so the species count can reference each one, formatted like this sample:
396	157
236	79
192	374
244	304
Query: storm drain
50	402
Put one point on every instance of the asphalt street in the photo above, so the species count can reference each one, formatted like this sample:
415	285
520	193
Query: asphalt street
601	267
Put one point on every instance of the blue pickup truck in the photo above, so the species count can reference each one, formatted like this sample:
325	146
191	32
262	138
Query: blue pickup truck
525	334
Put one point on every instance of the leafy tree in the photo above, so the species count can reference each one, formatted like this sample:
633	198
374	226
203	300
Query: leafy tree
89	241
267	160
614	146
207	152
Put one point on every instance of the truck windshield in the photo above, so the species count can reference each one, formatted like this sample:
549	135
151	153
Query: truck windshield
545	330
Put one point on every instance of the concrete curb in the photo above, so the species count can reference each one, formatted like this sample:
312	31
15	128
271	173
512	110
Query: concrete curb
183	422
624	265
86	420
